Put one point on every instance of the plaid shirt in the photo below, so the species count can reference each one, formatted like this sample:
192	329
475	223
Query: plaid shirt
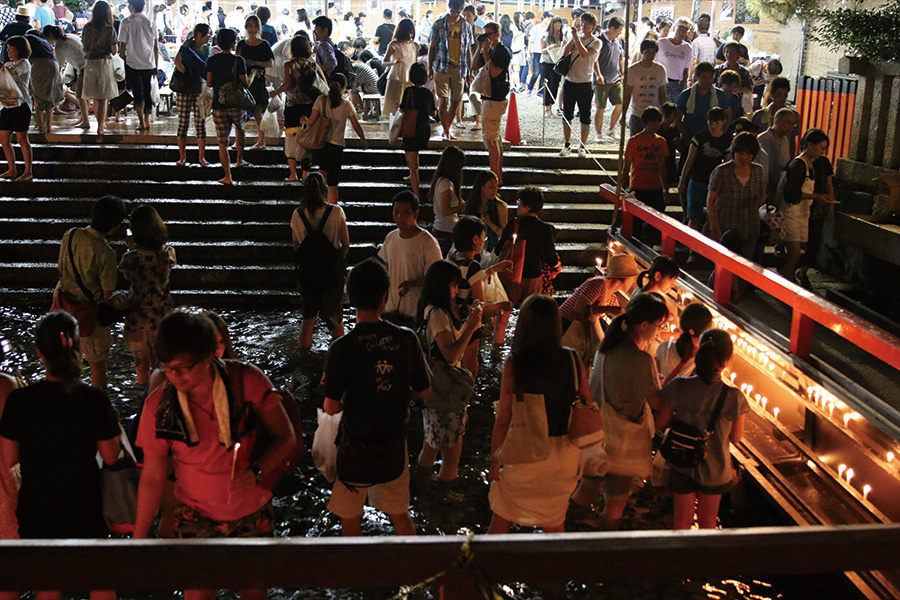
441	32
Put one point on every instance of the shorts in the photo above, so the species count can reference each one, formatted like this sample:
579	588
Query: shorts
697	193
491	117
140	342
391	498
679	483
190	523
796	221
635	125
324	303
95	348
444	429
15	119
617	486
608	91
330	159
224	118
449	84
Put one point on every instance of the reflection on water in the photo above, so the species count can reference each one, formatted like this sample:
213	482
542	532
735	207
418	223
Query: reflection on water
269	340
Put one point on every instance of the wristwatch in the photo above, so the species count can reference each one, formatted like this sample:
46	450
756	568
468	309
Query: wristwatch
257	473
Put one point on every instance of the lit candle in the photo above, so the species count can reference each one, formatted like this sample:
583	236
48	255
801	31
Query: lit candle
515	235
866	489
890	456
775	411
841	469
744	387
237	447
764	402
757	398
733	376
599	263
846	419
772	367
749	389
849	475
733	338
830	409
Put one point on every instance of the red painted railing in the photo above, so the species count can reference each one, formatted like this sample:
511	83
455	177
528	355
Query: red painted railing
808	308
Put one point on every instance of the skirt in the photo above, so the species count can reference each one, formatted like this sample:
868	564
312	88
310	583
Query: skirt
46	86
537	494
99	79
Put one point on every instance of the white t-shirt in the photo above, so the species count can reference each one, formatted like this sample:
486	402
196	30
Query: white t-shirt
346	31
536	35
338	120
439	321
138	33
405	53
407	259
703	48
645	82
334	227
674	58
582	70
69	51
445	222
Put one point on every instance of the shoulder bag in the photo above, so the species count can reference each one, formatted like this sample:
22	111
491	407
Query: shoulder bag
119	483
181	83
234	94
684	445
312	137
482	82
527	438
451	387
585	420
564	64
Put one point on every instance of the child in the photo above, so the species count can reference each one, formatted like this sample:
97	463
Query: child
419	98
669	132
540	249
408	251
18	118
727	81
645	166
707	151
219	71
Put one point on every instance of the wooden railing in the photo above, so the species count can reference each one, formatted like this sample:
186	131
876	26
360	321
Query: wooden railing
829	105
299	563
807	307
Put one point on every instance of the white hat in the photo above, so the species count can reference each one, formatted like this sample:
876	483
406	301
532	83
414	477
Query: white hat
24	11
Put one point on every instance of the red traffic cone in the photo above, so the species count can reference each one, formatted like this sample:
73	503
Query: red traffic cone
513	136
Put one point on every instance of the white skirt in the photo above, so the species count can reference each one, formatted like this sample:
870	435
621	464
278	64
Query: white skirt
99	79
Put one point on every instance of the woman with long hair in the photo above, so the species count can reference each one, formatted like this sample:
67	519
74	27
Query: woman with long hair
447	338
445	195
337	110
191	60
551	48
60	495
484	202
301	75
508	31
100	43
257	54
625	382
537	494
318	299
692	400
17	119
303	23
146	265
401	54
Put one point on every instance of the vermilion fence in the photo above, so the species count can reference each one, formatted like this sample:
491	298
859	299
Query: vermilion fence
828	104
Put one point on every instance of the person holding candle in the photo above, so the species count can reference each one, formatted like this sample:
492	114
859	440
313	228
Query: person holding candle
206	408
693	400
676	357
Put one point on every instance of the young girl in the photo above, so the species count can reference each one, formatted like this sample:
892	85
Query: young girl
693	400
147	267
319	300
445	195
337	109
659	279
191	59
18	118
99	41
220	70
258	55
551	46
447	338
625	383
676	358
401	54
483	202
420	99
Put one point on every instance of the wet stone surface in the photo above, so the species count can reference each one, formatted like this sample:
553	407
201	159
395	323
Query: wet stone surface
269	340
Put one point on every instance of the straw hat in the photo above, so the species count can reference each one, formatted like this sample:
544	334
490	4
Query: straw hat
621	266
24	11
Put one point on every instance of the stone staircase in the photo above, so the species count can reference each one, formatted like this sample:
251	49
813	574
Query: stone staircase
233	242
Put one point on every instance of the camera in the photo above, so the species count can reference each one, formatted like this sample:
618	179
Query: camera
482	37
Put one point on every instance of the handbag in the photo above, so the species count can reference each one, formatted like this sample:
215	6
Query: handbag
684	445
10	96
119	483
564	65
234	94
492	290
527	437
585	420
180	83
312	137
451	387
482	82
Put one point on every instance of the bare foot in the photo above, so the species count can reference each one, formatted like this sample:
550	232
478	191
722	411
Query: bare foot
181	162
203	162
24	177
83	125
102	131
242	163
257	146
8	175
226	181
406	178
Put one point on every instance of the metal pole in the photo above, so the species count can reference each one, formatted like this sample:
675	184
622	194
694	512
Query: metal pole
497	11
622	122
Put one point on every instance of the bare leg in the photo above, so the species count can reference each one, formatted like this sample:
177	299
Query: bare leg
495	156
100	111
450	462
260	134
612	512
306	333
140	115
85	114
98	374
349	527
9	154
239	140
794	252
22	138
499	524
708	510
470	357
684	510
427	456
587	491
403	524
182	150
598	120
567	132
500	327
292	165
412	160
226	163
614	118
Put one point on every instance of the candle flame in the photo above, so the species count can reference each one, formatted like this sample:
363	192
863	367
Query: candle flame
890	456
775	411
850	474
866	489
841	469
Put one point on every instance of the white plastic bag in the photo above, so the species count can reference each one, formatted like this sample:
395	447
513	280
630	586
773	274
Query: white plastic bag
269	125
10	95
275	104
324	450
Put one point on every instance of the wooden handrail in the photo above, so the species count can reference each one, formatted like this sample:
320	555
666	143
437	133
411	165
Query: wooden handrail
298	563
807	307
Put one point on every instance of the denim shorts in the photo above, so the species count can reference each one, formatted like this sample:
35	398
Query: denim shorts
697	192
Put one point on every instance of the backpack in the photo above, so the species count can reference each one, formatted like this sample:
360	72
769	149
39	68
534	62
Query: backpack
317	263
344	66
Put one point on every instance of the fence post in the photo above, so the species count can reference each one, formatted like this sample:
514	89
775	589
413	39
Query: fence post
668	245
801	334
722	288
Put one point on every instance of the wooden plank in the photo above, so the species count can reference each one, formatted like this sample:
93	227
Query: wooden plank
300	563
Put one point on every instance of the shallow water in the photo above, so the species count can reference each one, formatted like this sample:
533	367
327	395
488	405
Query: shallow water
268	339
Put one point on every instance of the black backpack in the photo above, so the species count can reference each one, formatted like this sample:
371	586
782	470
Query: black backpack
344	66
317	263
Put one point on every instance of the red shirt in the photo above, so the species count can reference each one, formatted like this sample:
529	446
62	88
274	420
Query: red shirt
645	153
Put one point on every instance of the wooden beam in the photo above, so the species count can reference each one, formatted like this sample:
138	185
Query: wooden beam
300	563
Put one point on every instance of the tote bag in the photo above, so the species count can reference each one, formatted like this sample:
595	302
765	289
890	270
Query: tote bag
10	96
527	438
313	137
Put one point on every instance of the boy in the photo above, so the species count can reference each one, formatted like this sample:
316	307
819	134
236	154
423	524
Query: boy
727	82
707	151
407	251
670	133
540	249
645	166
370	374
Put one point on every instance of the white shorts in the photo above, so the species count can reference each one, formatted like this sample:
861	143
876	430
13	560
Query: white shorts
796	221
391	498
96	347
492	113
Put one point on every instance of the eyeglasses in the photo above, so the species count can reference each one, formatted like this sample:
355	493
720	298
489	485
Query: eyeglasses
180	370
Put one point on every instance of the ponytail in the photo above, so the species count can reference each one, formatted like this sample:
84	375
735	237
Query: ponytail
715	349
336	91
57	339
643	308
695	319
665	266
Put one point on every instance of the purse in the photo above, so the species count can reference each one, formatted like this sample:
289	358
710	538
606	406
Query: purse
527	437
313	137
451	387
482	82
564	65
234	94
684	445
180	83
119	483
585	420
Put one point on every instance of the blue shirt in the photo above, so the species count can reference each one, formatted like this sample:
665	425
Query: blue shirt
44	15
694	120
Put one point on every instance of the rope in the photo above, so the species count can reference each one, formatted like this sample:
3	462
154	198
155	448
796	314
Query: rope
615	215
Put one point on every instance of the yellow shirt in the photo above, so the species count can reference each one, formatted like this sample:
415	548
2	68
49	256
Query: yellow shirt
454	40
